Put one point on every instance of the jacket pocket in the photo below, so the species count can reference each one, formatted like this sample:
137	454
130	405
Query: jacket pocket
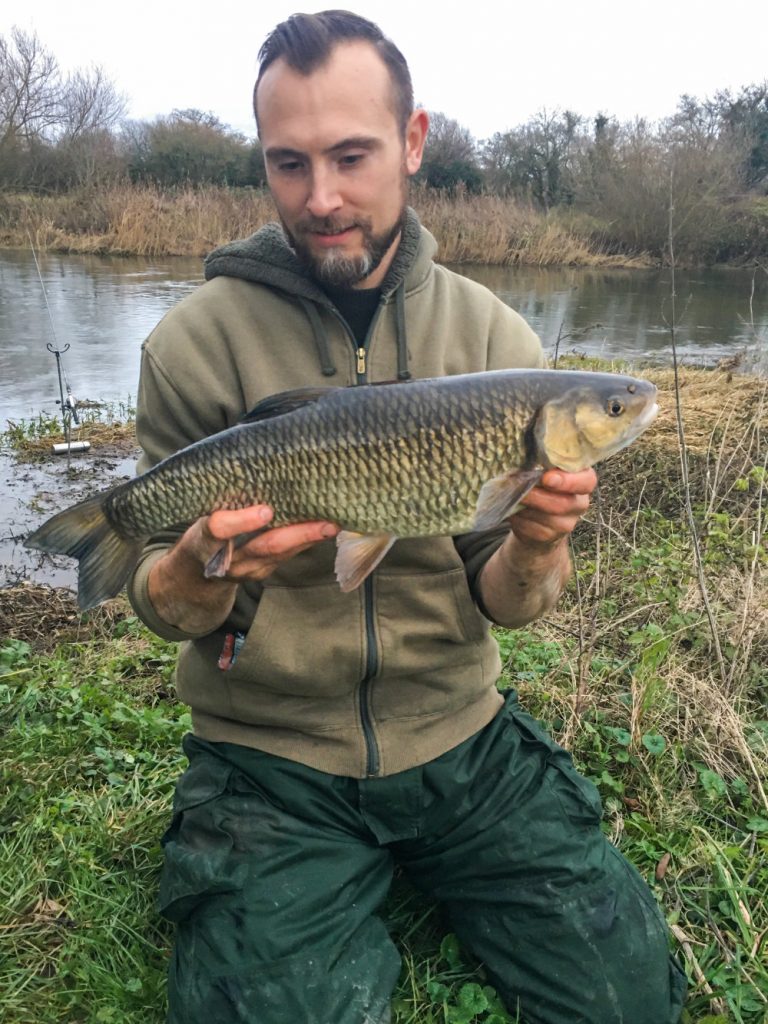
305	641
437	654
427	618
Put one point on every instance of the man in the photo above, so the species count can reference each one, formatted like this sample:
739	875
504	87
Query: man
335	734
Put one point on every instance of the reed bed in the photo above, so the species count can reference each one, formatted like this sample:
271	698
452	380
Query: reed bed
149	221
133	220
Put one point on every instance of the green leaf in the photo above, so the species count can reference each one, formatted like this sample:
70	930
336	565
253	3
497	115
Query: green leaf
450	951
622	736
712	783
134	985
654	743
437	992
12	654
757	825
750	1004
472	999
495	1005
457	1015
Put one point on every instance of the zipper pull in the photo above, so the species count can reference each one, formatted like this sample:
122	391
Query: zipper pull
361	360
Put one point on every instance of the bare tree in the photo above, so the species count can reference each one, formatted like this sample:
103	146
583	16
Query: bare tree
448	140
54	130
450	155
89	103
30	89
535	160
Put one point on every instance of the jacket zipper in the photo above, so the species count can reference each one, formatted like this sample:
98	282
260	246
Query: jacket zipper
372	756
372	759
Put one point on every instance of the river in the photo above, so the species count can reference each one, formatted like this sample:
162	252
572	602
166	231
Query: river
104	307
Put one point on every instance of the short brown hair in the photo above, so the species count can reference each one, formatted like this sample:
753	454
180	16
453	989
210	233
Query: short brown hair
306	41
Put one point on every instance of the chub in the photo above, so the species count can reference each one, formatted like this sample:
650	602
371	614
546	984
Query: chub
434	457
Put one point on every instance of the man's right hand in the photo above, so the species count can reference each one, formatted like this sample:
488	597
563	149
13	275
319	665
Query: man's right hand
183	597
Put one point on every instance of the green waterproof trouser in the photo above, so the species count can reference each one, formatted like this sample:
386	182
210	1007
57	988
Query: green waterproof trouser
274	873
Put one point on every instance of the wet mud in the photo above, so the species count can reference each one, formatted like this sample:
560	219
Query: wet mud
31	492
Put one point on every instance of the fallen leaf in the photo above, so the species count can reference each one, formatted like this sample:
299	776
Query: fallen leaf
661	867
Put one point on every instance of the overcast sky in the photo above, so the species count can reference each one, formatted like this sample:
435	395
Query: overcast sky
488	70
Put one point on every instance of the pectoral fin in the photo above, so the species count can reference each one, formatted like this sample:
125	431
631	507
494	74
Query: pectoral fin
500	497
218	564
358	554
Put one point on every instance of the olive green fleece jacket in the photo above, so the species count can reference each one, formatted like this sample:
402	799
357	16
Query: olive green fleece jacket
403	668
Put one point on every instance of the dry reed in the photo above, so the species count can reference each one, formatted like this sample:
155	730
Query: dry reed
149	221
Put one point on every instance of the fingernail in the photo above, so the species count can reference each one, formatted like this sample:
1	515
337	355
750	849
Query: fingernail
265	515
330	530
554	480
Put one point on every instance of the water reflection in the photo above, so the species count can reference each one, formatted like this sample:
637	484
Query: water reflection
104	307
626	313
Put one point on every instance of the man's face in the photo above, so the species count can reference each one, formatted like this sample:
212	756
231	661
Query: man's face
337	162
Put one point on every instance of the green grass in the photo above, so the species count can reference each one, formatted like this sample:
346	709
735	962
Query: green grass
90	749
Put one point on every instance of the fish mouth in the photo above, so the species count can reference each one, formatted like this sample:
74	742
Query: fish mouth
646	417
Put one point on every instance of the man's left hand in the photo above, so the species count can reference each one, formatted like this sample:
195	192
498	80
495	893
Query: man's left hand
554	507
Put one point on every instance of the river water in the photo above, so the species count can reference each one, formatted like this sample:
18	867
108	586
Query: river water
104	307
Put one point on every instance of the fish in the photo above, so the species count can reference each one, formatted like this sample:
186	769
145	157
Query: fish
431	457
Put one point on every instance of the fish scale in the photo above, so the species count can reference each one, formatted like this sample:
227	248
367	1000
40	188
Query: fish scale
306	463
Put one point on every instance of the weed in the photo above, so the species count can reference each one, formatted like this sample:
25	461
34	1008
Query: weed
101	423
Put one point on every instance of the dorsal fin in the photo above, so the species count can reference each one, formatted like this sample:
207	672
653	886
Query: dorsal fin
286	401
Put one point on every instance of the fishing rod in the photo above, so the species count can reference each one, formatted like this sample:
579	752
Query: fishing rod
69	404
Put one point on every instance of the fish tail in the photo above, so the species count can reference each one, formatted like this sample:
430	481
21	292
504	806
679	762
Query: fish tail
84	532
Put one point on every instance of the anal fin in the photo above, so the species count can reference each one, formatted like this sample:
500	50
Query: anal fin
500	497
358	554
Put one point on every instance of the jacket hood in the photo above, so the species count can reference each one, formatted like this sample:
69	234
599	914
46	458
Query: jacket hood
267	258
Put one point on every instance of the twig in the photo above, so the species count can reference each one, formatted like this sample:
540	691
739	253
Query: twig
717	1004
683	450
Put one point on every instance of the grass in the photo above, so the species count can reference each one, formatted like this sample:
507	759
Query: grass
101	424
623	673
150	221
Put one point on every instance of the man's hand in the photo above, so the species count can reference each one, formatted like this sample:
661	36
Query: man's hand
261	555
183	597
554	507
526	575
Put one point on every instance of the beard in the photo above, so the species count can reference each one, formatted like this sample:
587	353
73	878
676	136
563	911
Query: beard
334	267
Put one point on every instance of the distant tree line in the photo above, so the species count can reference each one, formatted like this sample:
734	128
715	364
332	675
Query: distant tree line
59	131
706	164
705	167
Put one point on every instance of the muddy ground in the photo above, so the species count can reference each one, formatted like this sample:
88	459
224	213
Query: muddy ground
30	492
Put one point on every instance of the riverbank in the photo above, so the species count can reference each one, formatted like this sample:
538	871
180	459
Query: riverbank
652	671
150	221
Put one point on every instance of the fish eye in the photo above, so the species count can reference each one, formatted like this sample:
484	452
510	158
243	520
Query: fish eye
614	407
